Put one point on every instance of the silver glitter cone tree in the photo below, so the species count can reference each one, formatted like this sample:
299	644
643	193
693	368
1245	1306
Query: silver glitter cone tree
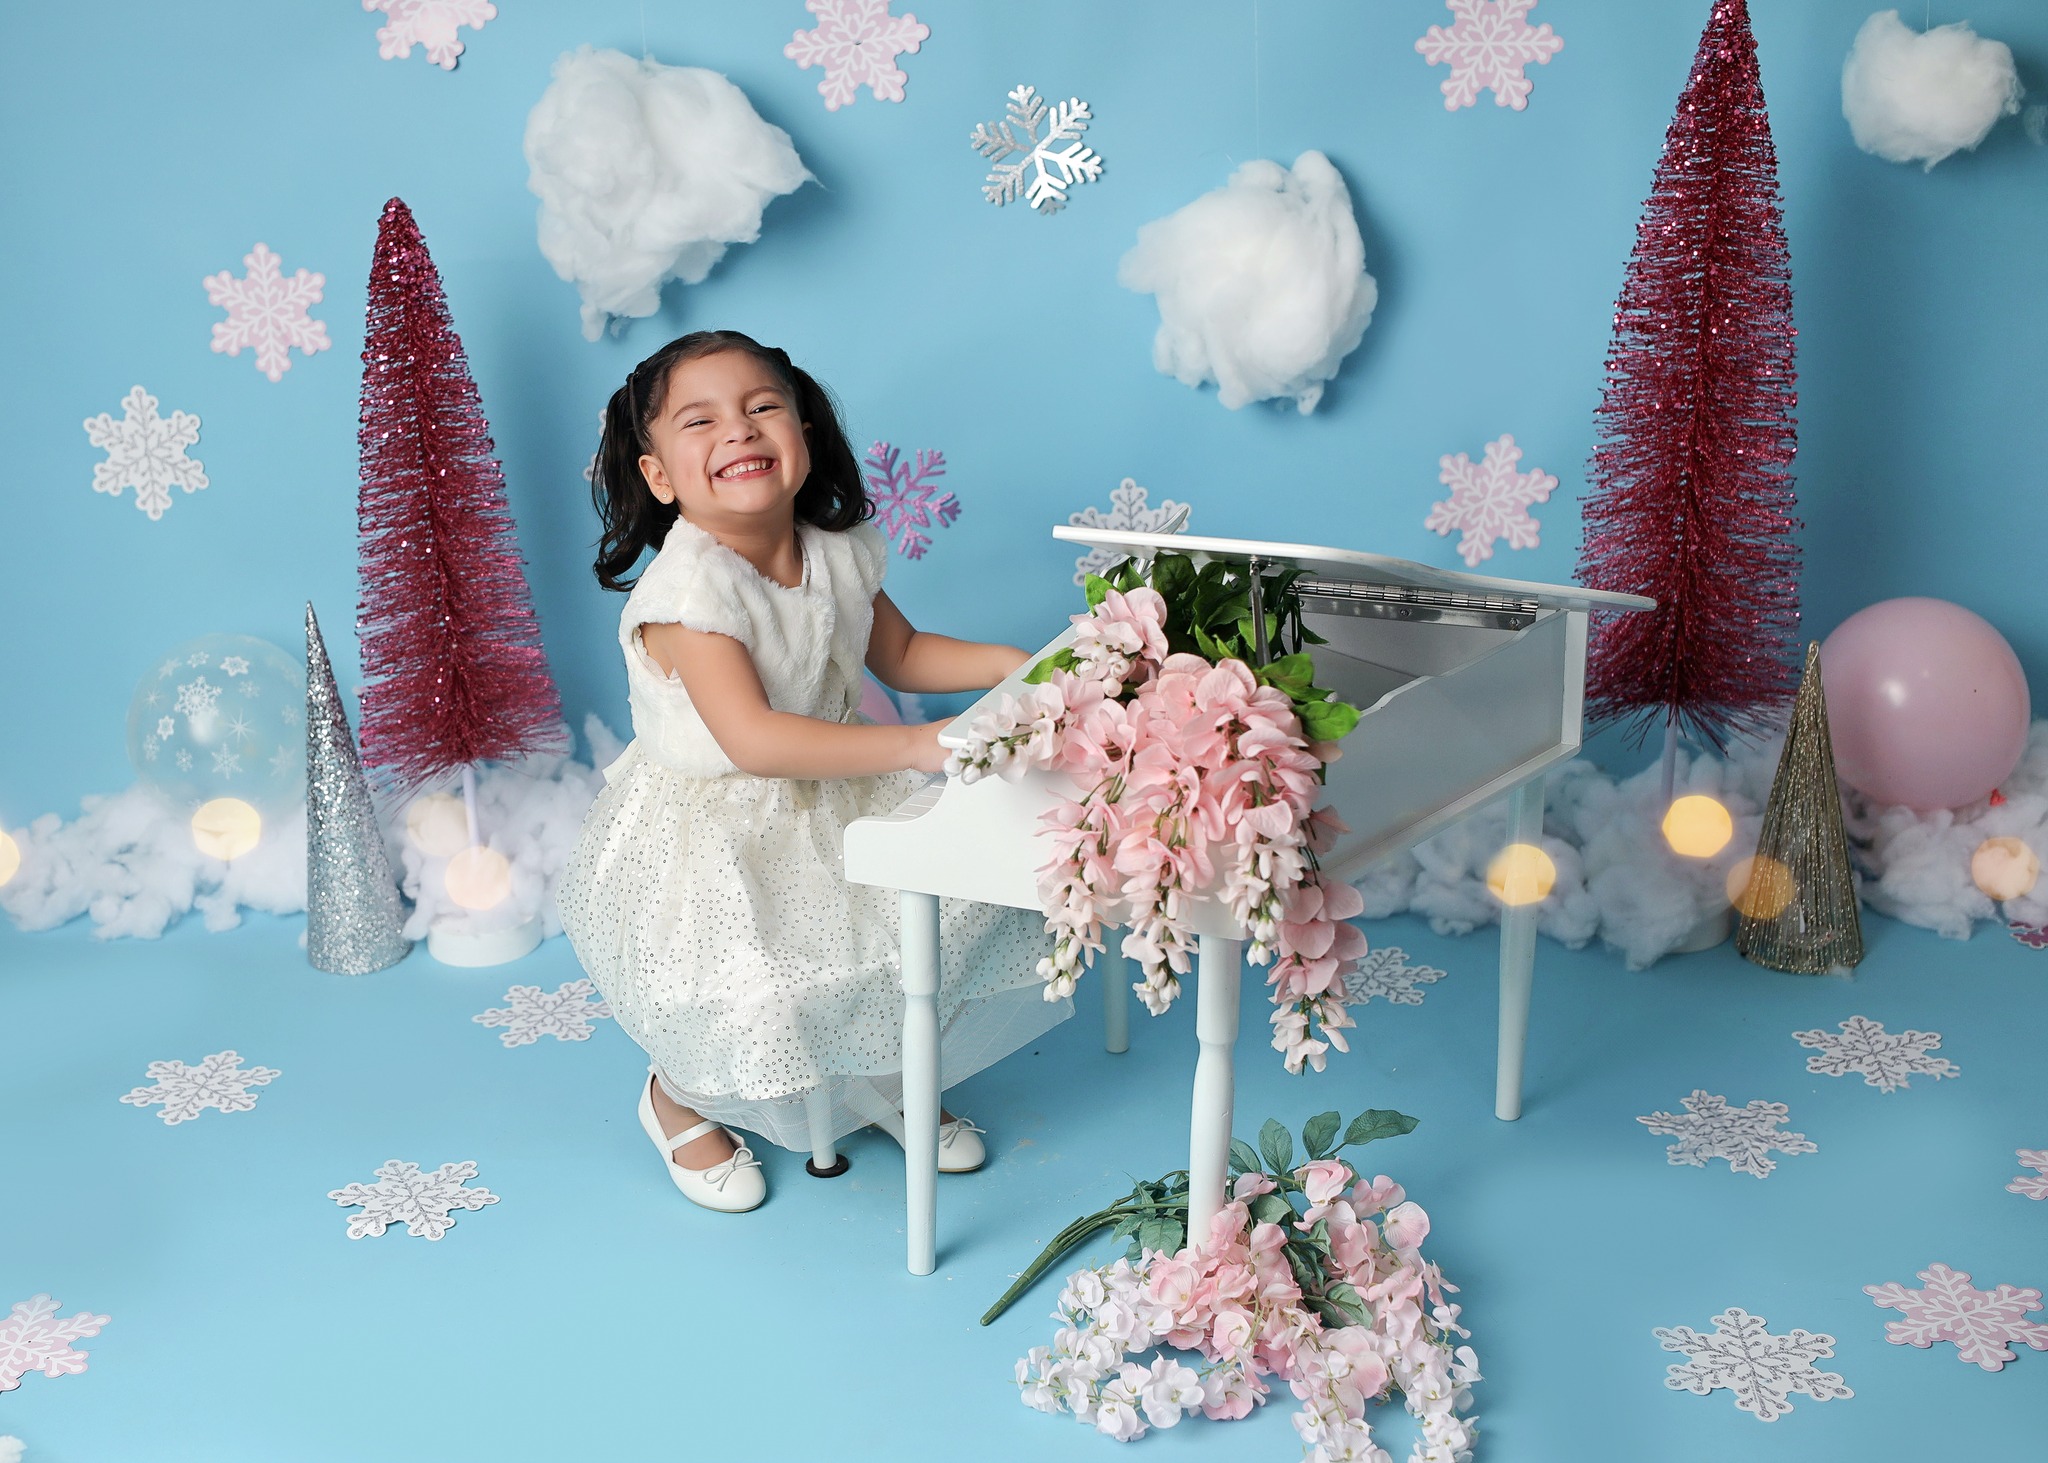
1799	910
354	914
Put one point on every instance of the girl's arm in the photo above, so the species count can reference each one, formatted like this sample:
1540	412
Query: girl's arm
907	659
725	688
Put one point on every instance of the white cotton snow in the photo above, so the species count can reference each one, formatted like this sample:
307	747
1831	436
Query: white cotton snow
1919	863
1618	879
1914	98
128	860
1261	284
647	173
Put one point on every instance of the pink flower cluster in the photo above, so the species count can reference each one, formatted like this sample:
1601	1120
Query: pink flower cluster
1197	781
1236	1302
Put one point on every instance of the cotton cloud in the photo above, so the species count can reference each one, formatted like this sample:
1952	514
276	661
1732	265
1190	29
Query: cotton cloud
1261	284
646	173
1914	98
128	860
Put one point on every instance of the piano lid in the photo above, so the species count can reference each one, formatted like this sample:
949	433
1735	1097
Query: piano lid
1350	566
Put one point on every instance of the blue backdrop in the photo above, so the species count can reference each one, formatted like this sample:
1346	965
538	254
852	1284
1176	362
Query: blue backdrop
148	145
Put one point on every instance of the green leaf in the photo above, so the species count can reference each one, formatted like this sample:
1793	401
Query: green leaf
1098	590
1319	1132
1376	1123
1278	1146
1060	660
1332	1314
1347	1299
1212	648
1327	721
1160	1233
1272	1209
1290	673
1242	1158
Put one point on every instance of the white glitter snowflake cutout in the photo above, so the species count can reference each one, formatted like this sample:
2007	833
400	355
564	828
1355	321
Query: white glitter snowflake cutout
145	452
217	1082
1386	973
1886	1059
1052	172
32	1339
429	24
907	503
857	42
1982	1323
1127	511
1489	501
422	1202
1745	1136
267	312
1762	1370
1486	49
529	1013
2032	1185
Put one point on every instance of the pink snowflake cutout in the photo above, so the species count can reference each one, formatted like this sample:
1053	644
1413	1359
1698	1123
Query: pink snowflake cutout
2033	1185
857	42
267	312
903	497
2034	937
1486	50
33	1340
1982	1323
1489	501
430	24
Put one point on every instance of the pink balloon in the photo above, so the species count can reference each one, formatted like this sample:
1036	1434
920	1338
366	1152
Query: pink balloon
1927	704
875	704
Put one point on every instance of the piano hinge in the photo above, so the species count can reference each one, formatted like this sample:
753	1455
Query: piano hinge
1406	602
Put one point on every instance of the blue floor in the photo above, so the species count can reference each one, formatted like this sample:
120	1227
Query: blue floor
593	1314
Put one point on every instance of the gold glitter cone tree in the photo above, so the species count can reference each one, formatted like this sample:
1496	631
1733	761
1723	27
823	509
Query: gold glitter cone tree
354	915
1799	910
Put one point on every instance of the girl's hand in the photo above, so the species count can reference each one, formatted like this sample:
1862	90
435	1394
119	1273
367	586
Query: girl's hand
925	753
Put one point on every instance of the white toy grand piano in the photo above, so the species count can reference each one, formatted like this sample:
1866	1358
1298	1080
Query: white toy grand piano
1470	687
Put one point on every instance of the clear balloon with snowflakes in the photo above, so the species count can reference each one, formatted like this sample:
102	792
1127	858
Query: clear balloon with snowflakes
222	716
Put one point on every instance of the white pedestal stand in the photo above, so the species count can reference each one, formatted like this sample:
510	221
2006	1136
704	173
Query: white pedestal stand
483	947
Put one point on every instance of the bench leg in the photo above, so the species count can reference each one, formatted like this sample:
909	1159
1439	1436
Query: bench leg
825	1161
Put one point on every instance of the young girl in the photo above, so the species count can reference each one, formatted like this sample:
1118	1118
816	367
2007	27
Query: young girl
707	896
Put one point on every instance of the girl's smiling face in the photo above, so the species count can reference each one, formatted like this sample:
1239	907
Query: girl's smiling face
727	447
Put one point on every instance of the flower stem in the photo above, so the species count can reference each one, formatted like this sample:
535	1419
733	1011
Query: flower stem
1068	1238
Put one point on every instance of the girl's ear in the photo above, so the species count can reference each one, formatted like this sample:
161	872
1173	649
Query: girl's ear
657	480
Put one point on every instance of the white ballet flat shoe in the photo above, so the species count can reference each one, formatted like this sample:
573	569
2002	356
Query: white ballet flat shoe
960	1147
731	1187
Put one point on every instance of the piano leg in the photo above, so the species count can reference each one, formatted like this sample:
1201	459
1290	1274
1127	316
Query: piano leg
1517	959
921	1077
1116	1000
1216	982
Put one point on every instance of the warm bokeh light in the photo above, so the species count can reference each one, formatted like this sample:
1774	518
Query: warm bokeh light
1521	873
1760	887
10	856
226	828
437	824
478	878
1698	826
2004	867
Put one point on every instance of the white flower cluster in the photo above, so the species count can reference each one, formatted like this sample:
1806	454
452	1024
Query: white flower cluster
1106	1315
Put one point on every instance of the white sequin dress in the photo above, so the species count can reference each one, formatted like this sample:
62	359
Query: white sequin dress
711	906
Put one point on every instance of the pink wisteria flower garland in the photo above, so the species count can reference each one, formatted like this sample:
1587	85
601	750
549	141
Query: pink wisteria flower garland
1198	774
1333	1299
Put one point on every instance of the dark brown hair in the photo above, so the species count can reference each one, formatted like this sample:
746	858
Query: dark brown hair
833	497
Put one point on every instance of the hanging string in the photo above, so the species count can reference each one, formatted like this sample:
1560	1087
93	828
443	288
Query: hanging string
1258	134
